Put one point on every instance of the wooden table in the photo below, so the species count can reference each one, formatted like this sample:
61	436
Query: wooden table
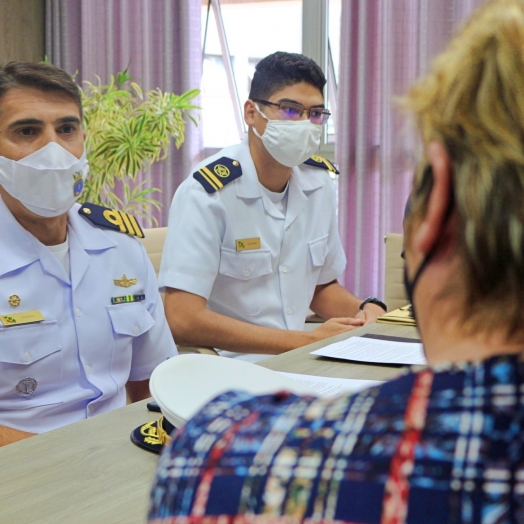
90	472
87	472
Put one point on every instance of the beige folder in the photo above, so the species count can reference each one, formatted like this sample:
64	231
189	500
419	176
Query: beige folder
398	317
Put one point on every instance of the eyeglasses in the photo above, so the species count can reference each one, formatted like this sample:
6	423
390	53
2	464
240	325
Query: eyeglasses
295	111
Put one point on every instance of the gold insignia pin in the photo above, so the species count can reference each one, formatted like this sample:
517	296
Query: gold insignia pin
235	163
86	210
14	300
125	282
221	170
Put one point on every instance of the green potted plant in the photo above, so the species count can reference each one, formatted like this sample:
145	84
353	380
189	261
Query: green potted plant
127	132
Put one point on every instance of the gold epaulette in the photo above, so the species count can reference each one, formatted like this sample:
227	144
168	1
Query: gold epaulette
218	173
111	219
323	163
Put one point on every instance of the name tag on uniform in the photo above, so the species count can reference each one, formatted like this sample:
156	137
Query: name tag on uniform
17	319
248	243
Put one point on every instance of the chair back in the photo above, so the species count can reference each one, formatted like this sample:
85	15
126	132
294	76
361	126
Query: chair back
153	241
394	293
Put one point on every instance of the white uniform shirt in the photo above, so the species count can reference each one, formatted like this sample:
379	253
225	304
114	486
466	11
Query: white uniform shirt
86	349
271	286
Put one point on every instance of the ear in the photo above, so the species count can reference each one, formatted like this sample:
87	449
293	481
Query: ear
430	229
249	112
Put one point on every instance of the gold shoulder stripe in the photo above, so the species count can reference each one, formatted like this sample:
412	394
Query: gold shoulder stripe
329	165
208	180
127	223
138	230
211	178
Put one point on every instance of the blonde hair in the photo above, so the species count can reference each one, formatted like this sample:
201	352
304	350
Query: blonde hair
472	101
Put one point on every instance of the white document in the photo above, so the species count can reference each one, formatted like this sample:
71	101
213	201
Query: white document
329	387
363	349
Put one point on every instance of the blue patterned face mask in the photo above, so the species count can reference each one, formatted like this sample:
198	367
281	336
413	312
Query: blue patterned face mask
47	182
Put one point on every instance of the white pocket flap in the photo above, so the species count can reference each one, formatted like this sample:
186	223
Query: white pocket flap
30	342
130	319
245	264
318	249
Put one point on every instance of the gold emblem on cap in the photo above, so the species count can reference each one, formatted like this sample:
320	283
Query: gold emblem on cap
125	282
86	210
221	170
14	300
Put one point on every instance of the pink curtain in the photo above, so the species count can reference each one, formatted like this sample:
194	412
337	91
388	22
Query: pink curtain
385	45
160	41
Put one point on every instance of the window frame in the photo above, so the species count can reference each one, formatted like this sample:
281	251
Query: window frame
315	45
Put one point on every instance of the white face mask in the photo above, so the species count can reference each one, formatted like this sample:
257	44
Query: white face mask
290	142
47	182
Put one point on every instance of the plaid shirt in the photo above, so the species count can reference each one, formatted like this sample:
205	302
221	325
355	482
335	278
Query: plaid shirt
441	445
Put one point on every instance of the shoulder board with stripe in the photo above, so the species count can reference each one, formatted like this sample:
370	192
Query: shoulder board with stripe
218	173
320	161
111	219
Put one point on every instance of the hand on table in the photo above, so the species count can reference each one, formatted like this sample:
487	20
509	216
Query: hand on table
335	326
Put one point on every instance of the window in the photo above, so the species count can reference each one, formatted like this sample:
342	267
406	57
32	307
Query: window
237	34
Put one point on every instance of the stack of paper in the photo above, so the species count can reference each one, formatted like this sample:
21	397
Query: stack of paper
398	317
329	387
362	349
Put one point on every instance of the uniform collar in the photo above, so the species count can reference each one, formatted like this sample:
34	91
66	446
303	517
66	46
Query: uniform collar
247	186
303	177
16	243
21	246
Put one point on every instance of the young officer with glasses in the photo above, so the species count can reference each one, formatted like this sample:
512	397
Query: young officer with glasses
253	240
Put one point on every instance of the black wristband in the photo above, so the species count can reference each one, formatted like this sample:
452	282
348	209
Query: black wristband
373	300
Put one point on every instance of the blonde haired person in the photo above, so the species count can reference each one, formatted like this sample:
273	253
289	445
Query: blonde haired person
444	444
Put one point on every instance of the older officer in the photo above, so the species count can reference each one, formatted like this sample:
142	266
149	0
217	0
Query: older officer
252	239
81	320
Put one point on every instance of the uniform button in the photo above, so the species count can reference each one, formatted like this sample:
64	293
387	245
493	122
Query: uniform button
88	369
27	357
91	409
289	311
246	273
136	330
284	269
78	312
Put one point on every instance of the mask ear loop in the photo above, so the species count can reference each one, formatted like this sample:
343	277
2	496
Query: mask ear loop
263	116
427	184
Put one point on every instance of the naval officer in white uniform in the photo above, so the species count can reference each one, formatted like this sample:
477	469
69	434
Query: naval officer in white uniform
81	321
252	239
